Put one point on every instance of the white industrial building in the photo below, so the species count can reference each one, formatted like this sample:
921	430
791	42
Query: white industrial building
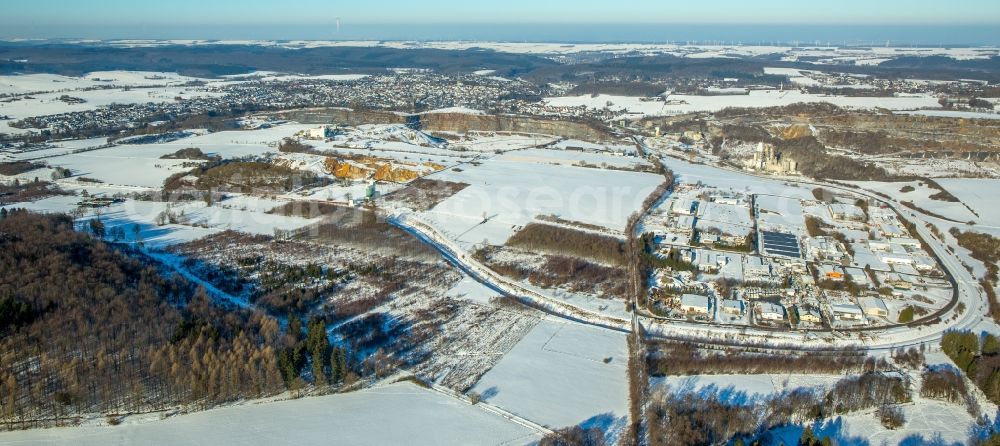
810	315
874	306
847	312
732	307
771	312
695	304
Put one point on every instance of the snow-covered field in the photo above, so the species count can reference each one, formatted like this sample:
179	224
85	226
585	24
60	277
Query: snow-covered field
273	76
953	114
927	423
195	219
120	166
570	157
557	376
36	83
979	194
680	103
234	144
509	194
920	196
724	179
58	148
394	414
743	389
469	289
942	168
56	204
795	75
575	144
49	104
499	142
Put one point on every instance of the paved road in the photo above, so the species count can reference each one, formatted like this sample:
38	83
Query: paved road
968	293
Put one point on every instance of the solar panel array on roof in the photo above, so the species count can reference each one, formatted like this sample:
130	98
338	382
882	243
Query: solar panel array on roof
781	244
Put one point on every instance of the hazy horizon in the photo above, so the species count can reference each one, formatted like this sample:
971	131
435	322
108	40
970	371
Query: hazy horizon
894	35
924	22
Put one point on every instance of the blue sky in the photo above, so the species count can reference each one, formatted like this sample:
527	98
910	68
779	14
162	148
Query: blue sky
313	12
851	21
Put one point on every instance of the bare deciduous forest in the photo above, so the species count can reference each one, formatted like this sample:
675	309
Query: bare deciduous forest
88	328
537	237
669	358
711	417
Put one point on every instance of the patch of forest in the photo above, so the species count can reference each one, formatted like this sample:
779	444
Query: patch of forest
256	176
190	153
21	192
557	271
639	89
88	327
718	416
18	167
976	356
679	359
423	194
366	229
983	247
540	237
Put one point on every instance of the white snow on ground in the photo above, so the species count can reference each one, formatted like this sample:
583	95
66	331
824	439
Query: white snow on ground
32	83
471	289
725	179
395	414
500	142
511	194
128	216
196	220
928	422
235	144
571	157
269	76
118	166
142	214
953	114
742	389
249	221
925	418
227	144
796	75
58	148
979	194
56	204
575	144
356	190
556	376
459	110
49	104
920	196
680	104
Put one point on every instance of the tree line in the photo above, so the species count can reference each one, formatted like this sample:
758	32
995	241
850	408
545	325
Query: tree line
87	327
720	416
677	358
976	356
556	239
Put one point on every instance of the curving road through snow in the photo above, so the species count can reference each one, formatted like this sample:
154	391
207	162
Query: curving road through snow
969	295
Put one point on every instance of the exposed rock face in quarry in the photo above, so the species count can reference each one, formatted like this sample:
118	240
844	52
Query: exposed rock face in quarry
454	122
366	167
